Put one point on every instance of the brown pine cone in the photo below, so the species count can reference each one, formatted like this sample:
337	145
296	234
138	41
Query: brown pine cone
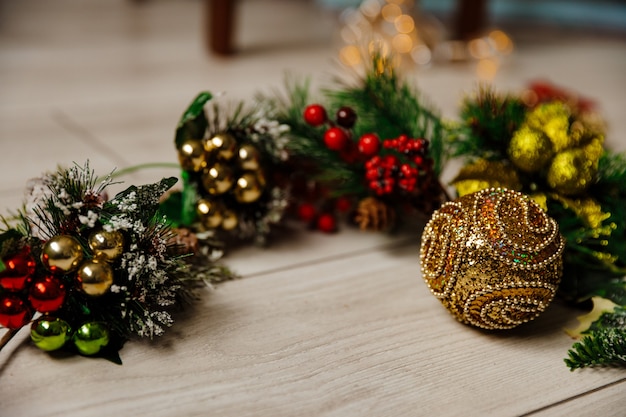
373	214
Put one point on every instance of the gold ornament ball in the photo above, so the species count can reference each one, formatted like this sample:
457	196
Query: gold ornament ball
61	254
95	277
109	245
493	258
217	179
210	213
191	155
249	157
229	220
572	172
223	145
249	188
530	150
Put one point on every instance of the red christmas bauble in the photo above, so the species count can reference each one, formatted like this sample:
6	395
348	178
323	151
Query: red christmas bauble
14	312
315	115
336	139
369	144
19	269
307	212
326	223
47	294
346	117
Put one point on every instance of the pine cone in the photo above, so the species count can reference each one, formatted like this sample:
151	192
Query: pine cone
184	241
373	214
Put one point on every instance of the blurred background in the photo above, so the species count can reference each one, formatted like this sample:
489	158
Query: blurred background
107	80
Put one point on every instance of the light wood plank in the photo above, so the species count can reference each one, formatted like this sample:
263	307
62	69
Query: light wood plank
355	336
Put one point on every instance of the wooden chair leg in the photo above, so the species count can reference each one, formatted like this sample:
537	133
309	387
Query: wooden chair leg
219	22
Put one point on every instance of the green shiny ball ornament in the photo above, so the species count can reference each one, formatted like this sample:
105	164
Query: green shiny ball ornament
210	213
217	179
249	188
90	338
49	333
109	245
249	158
61	254
192	156
223	145
95	277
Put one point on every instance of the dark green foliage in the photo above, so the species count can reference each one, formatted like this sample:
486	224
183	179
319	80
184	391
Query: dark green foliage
604	344
488	122
193	122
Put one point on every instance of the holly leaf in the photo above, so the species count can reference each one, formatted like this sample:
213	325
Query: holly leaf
193	122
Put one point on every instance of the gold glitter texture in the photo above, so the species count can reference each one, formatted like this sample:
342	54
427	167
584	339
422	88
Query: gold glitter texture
483	174
493	258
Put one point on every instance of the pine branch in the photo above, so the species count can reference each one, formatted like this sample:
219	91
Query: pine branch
606	347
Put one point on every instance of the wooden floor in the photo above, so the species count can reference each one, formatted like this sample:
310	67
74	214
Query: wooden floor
319	325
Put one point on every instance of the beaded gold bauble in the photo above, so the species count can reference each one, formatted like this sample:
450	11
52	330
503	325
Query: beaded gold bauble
104	244
61	254
191	155
217	179
493	258
95	277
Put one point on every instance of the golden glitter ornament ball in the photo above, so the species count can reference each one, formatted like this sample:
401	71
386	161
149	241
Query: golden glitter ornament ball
493	258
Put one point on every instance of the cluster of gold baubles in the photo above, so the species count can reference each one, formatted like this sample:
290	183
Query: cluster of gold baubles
63	254
226	168
559	144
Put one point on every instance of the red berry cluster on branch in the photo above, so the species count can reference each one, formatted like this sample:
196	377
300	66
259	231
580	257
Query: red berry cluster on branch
337	136
386	174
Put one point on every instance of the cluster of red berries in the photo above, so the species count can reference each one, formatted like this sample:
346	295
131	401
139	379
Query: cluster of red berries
385	174
338	136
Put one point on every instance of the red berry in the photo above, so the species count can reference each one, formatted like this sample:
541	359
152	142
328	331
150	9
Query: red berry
343	204
326	223
315	115
346	117
336	139
369	144
307	212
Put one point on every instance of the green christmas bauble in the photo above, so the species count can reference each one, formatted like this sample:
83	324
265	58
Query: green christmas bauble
49	333
90	338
